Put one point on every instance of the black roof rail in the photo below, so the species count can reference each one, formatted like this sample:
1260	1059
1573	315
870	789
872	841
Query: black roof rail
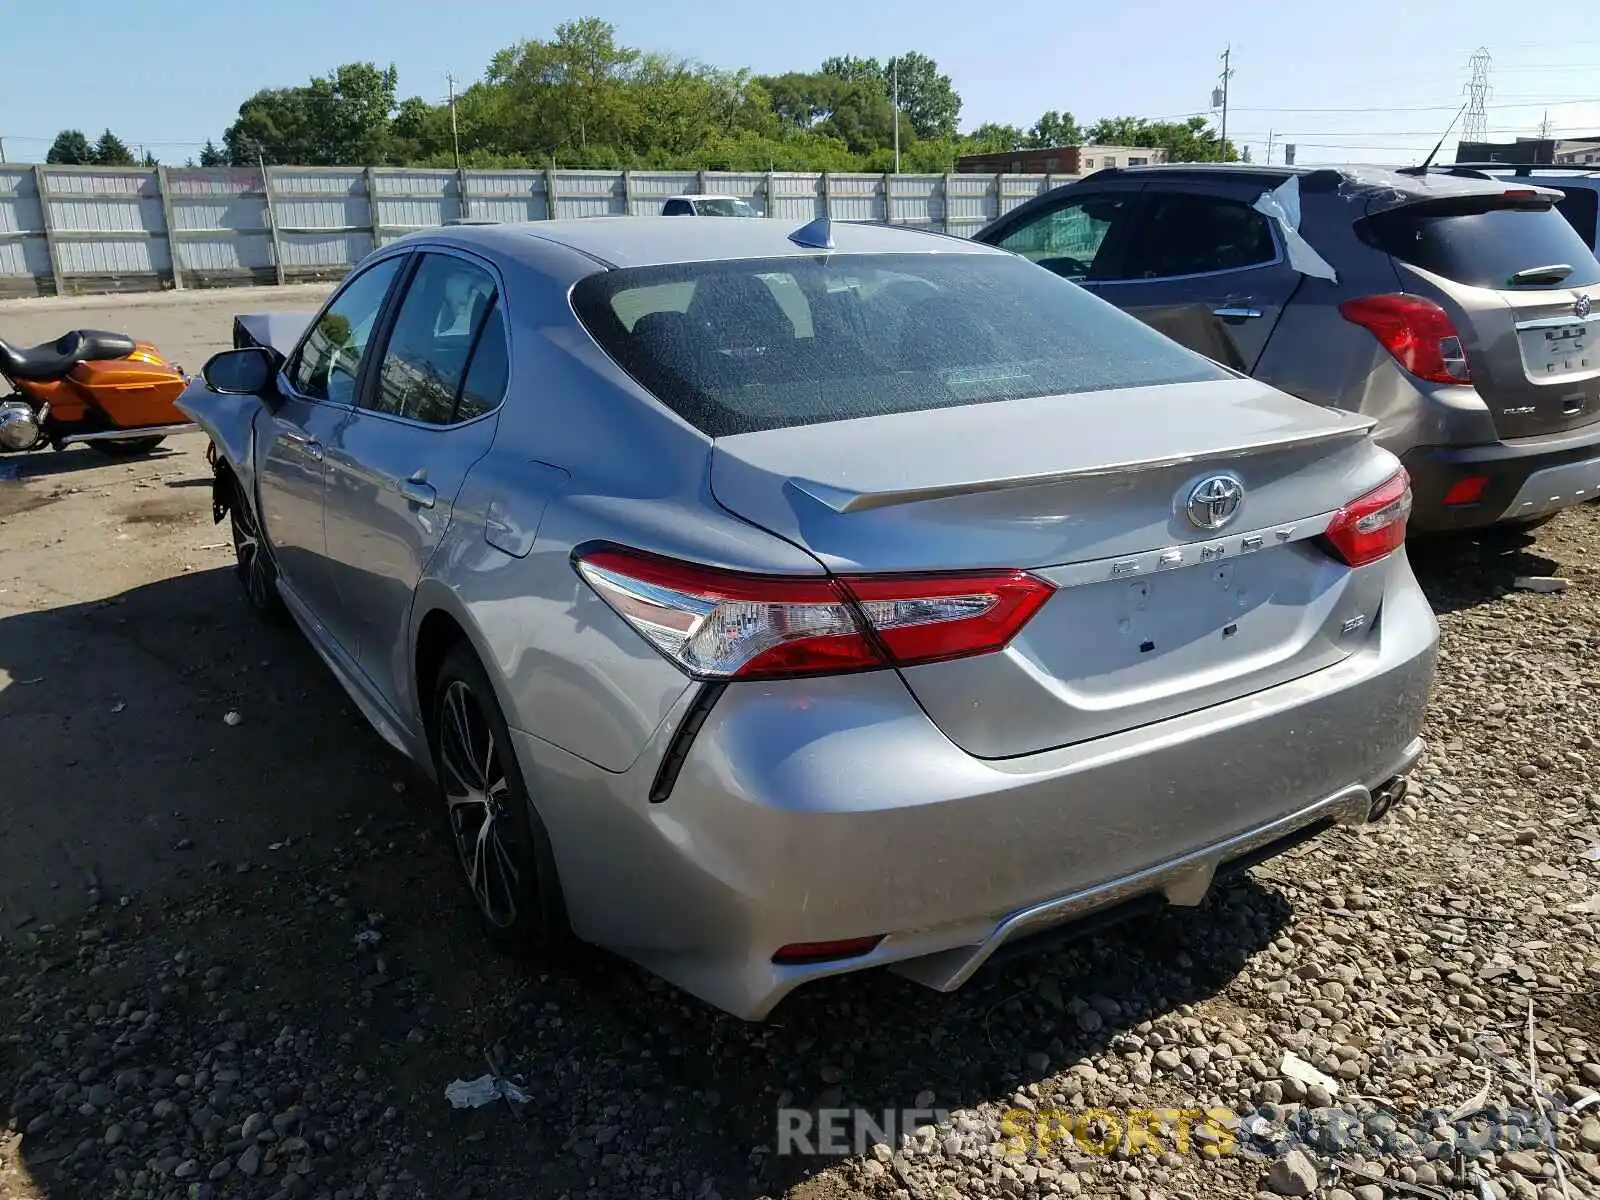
1522	169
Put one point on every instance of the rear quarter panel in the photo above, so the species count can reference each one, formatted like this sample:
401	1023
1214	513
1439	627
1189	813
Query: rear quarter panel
581	455
1316	354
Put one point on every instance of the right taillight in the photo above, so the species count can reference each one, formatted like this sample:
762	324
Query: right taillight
719	624
1373	524
1416	331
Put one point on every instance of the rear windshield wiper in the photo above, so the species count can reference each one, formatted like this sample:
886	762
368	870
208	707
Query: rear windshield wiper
1554	273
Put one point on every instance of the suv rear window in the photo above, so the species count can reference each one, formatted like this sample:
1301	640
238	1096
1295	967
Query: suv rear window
738	346
1484	247
1581	207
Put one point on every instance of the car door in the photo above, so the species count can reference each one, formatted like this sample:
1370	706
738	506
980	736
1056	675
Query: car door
1200	247
424	416
315	395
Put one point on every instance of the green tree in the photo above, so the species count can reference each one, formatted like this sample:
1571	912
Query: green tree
70	146
993	138
342	117
211	156
928	100
112	151
1191	140
1057	129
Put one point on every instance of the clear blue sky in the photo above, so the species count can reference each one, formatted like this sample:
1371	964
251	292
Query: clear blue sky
170	74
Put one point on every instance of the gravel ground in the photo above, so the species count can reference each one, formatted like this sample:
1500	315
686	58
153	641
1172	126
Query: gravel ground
278	1011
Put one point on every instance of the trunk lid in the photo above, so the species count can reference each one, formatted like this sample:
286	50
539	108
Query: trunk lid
1532	342
1152	616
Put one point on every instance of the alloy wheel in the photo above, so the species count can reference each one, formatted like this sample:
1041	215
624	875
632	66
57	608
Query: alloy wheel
479	797
254	567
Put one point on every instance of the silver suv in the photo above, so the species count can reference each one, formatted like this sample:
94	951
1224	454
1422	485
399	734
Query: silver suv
1454	310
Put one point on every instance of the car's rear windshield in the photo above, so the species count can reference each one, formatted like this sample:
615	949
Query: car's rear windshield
1581	207
737	346
1486	247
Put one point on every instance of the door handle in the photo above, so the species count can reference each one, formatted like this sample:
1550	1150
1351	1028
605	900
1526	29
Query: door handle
309	444
1237	312
417	490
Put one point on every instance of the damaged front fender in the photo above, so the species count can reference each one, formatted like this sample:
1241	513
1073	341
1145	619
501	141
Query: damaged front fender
229	421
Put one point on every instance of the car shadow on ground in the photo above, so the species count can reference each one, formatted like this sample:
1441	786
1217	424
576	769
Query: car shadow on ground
1465	570
280	836
76	460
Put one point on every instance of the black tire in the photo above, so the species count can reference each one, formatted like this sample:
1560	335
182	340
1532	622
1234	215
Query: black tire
252	560
130	448
509	870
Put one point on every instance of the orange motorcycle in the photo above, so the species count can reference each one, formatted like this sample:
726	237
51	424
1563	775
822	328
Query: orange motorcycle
106	390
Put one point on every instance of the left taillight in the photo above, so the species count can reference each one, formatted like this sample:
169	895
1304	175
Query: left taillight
718	624
1374	524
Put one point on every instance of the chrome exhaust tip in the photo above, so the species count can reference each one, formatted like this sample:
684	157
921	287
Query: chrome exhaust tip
1387	796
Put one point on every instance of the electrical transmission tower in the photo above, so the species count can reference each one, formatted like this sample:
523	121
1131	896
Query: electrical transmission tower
1475	128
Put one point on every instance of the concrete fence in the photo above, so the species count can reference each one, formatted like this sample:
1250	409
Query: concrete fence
82	230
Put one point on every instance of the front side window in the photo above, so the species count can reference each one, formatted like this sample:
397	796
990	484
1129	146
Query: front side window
329	360
1068	239
738	346
446	308
1188	234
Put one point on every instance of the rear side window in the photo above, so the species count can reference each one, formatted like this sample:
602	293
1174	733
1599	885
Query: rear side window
747	345
1484	247
1186	234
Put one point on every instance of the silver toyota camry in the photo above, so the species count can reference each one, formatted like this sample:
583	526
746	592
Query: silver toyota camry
775	602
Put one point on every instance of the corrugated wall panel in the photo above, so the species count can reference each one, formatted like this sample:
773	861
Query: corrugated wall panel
216	256
324	252
797	197
507	195
970	203
343	213
917	200
23	257
219	212
856	197
318	181
105	256
415	199
1017	190
589	193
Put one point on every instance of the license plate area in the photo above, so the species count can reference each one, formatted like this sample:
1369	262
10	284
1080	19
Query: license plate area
1127	640
1560	351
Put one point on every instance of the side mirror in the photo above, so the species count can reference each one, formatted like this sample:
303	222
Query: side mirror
246	372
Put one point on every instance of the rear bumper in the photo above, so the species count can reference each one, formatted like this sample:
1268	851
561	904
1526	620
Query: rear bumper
1526	478
835	809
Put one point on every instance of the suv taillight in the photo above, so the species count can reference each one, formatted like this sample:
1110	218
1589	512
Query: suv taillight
1416	331
1374	524
718	624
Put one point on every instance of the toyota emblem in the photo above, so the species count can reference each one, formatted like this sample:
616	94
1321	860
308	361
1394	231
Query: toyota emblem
1582	305
1214	501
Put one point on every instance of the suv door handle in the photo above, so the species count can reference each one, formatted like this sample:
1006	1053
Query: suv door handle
1237	312
417	490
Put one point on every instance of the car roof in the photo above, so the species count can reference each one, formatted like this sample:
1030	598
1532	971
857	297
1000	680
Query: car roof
706	196
1387	187
659	241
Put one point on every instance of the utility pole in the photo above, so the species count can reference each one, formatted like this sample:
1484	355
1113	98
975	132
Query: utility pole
894	67
2	149
1272	135
1220	97
455	133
